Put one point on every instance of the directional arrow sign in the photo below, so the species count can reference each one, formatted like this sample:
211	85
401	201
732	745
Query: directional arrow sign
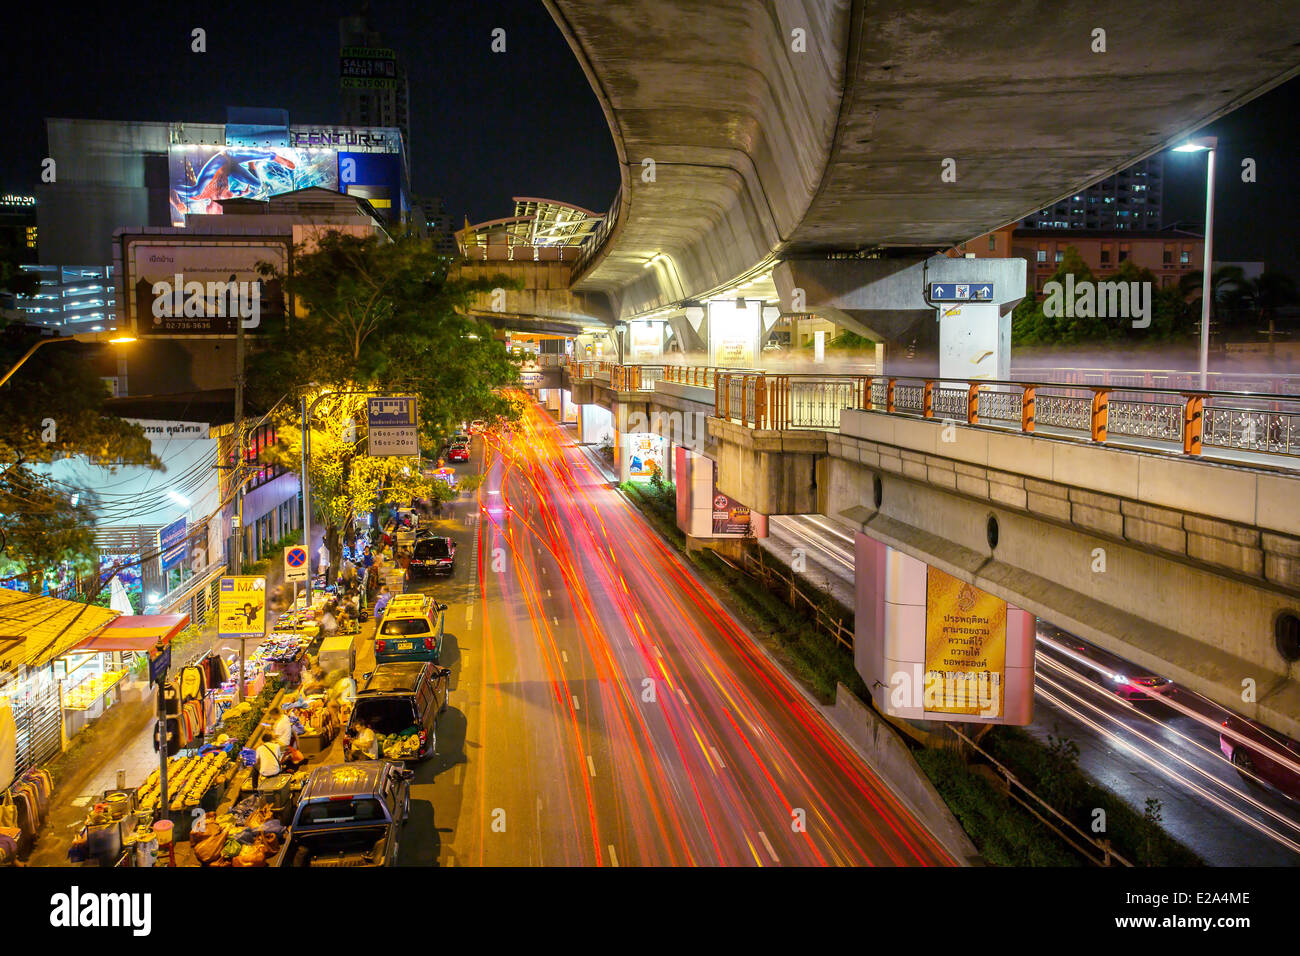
961	291
295	563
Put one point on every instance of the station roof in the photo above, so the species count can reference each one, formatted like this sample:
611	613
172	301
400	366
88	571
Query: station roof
536	222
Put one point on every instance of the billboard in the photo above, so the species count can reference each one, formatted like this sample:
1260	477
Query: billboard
734	332
201	287
646	342
241	607
376	177
368	68
965	647
203	176
729	515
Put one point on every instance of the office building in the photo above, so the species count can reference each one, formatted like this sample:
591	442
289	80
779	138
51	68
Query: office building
1131	200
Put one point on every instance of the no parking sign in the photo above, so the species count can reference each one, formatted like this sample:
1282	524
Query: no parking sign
295	563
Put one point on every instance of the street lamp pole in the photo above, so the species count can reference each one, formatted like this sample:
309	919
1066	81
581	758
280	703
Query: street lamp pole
88	337
1198	145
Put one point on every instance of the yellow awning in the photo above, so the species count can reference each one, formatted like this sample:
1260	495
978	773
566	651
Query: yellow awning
34	630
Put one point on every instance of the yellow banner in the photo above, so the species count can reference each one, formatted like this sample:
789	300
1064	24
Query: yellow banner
965	647
241	607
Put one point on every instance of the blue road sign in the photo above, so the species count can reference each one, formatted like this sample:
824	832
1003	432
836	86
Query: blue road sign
171	541
961	291
390	412
158	666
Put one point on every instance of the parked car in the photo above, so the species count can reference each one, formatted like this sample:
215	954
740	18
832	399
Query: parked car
411	629
433	555
458	452
401	700
1261	756
349	816
477	426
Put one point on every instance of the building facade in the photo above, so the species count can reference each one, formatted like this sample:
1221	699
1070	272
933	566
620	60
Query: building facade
1131	200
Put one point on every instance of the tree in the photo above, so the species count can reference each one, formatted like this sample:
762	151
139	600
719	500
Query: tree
53	408
1265	295
1227	286
345	481
372	314
380	313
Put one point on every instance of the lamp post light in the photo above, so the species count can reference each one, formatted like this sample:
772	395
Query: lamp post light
1205	144
111	337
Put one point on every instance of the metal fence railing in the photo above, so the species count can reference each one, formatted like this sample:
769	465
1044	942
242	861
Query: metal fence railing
1172	419
758	400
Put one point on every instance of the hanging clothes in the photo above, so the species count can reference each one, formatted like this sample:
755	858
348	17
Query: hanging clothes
193	683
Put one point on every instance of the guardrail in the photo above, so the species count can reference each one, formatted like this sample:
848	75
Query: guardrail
635	378
1163	378
703	376
592	245
1250	422
784	401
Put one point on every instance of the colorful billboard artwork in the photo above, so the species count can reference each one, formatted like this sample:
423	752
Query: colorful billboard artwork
965	647
645	455
203	176
241	607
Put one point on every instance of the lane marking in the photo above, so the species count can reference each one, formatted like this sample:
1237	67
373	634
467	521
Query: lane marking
768	845
718	757
682	696
555	620
613	857
576	707
564	656
548	592
591	765
469	615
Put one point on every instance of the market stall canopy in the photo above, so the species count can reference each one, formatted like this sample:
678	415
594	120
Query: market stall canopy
35	629
135	632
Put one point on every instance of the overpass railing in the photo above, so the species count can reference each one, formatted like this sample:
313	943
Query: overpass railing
591	371
703	376
1165	418
635	378
596	239
1163	378
759	400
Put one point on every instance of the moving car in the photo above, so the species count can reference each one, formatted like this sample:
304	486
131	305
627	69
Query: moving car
401	703
1261	756
411	629
1123	678
433	555
458	452
477	426
349	815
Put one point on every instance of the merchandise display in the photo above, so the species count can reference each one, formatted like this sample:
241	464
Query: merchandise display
90	691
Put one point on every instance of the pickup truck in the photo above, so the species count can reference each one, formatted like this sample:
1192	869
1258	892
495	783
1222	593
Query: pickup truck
349	815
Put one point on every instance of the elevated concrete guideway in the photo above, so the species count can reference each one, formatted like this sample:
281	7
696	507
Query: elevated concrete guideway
761	152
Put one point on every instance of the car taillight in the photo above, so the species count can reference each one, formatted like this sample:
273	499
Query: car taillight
428	643
424	737
379	645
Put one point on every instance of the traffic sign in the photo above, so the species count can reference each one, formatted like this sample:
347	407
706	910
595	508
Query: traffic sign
961	291
159	665
392	426
295	563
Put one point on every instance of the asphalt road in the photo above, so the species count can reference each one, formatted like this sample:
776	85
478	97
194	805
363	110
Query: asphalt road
605	710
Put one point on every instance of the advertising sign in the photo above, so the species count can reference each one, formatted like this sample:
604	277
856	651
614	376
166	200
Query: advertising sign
376	177
646	343
241	607
201	288
256	135
203	176
393	426
965	647
159	664
354	139
367	68
645	454
171	542
295	564
729	515
734	332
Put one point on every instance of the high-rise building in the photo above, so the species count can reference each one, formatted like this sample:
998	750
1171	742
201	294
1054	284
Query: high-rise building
430	219
1130	200
372	78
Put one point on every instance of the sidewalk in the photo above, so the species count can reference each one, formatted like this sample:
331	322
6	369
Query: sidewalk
122	739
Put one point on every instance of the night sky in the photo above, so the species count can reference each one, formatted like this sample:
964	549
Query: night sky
485	126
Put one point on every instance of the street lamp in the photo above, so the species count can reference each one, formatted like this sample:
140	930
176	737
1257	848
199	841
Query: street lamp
1205	144
110	337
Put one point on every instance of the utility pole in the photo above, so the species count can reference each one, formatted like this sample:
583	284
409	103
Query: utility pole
306	496
237	556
